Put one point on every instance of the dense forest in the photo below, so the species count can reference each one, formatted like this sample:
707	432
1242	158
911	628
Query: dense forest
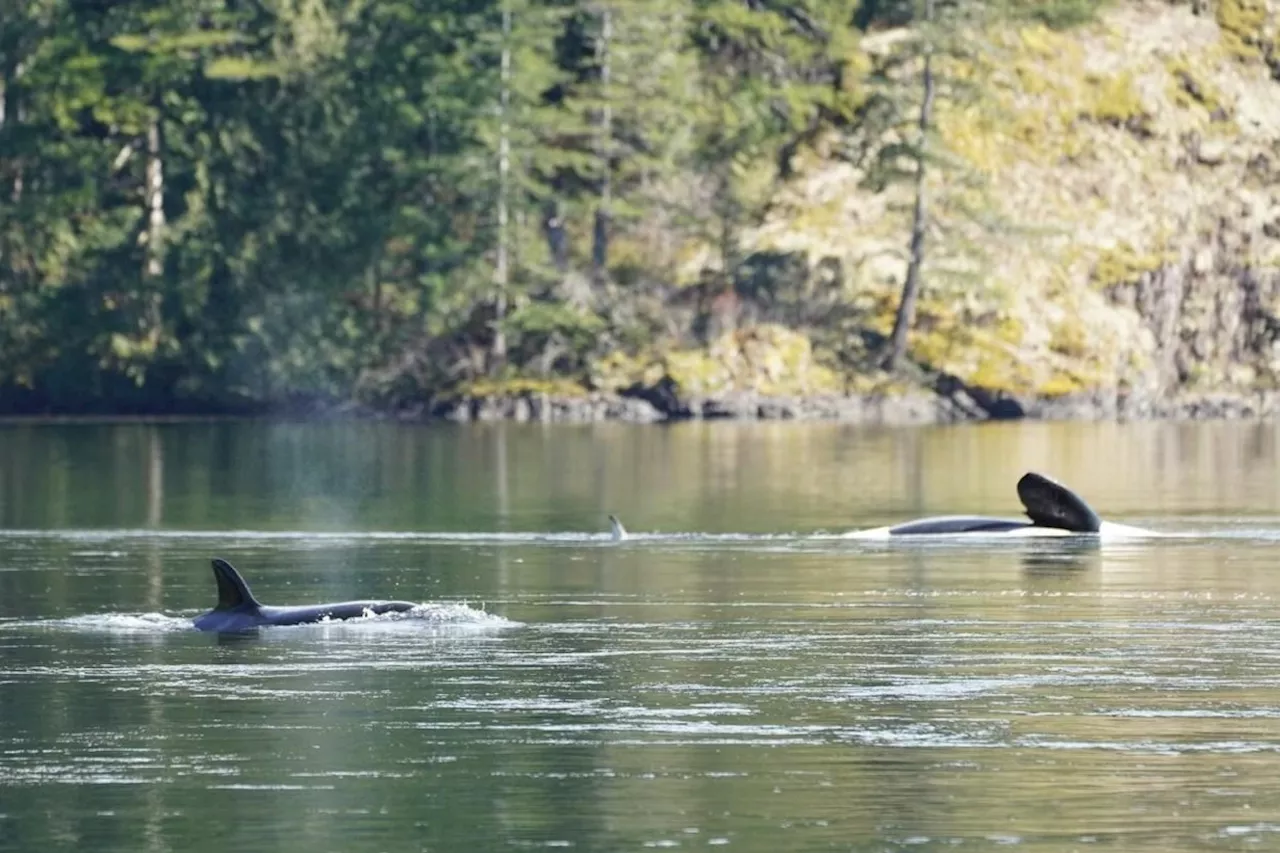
224	205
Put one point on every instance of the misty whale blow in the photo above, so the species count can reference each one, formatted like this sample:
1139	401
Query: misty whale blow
1052	510
238	610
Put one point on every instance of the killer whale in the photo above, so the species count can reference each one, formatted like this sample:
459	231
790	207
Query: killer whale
1052	509
238	610
617	532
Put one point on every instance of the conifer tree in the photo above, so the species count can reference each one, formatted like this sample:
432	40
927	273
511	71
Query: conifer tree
908	87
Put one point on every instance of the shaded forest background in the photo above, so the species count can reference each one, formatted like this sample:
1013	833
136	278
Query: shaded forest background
212	204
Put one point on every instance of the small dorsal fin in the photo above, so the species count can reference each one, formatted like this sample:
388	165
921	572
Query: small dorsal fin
233	592
616	530
1050	504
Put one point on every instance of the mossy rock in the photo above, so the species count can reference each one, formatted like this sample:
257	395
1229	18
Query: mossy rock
1114	99
1124	264
1060	385
619	370
767	359
1243	27
696	372
1000	370
1190	87
1070	338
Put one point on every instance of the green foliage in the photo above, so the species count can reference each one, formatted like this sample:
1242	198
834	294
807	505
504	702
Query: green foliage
771	75
213	203
1056	14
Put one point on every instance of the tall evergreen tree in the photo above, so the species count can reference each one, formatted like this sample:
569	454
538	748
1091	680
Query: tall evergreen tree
909	84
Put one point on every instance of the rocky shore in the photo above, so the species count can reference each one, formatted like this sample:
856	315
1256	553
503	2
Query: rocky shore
945	403
912	408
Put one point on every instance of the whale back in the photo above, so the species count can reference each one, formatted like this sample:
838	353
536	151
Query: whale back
1048	503
948	524
233	592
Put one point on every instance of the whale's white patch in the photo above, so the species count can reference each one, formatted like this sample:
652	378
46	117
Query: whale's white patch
1110	532
871	533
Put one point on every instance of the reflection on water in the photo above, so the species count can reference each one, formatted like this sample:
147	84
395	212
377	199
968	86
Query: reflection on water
708	478
729	678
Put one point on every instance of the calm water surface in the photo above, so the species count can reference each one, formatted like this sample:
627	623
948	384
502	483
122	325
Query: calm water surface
732	677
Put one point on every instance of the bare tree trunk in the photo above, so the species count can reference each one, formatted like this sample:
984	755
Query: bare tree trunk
718	289
604	140
911	287
502	266
730	210
375	285
155	201
557	240
13	110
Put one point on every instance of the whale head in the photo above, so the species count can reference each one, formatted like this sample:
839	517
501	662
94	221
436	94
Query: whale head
1050	504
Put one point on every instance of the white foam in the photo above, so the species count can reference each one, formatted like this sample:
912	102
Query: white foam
107	623
439	615
1111	532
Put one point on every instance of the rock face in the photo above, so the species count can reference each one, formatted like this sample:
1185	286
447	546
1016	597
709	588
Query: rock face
1212	314
916	408
1138	162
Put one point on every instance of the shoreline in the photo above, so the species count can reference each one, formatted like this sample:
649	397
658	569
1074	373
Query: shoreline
910	409
913	408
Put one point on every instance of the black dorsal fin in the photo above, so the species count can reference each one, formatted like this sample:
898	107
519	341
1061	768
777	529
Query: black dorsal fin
1051	504
233	592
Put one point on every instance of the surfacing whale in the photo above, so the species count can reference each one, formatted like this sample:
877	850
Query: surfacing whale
1052	510
238	610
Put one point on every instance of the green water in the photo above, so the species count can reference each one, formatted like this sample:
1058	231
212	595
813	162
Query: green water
730	677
